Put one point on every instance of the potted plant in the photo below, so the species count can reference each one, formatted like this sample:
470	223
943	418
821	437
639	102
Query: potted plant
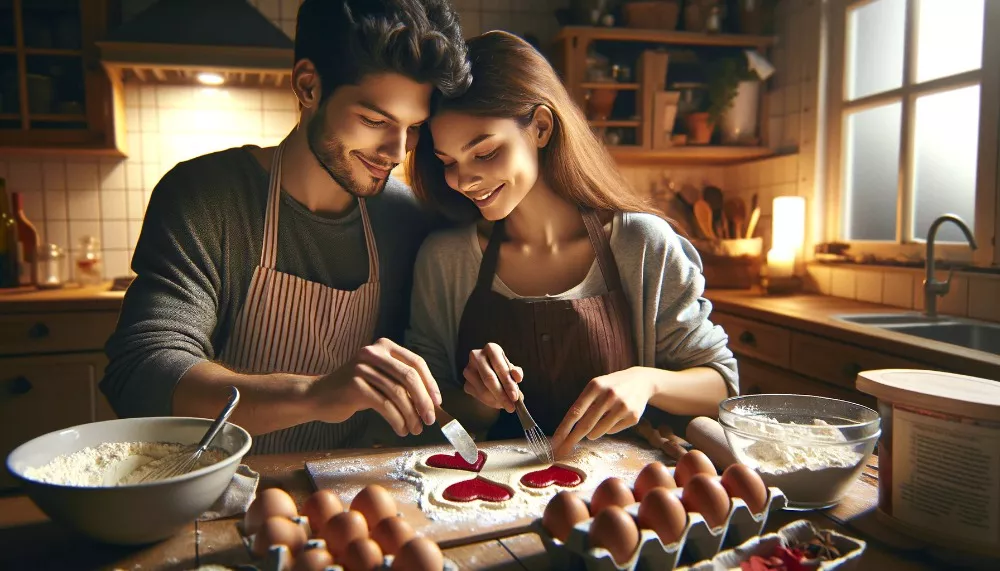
733	95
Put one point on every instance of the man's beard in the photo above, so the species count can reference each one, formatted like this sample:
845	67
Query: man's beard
332	156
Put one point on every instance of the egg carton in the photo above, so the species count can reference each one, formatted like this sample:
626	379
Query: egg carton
697	542
279	557
798	531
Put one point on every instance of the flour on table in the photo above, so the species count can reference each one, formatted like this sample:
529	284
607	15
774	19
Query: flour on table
505	465
109	463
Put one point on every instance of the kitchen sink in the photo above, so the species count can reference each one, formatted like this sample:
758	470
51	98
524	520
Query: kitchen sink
973	336
968	333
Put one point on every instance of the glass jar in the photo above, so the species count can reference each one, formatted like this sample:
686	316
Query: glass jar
88	262
51	267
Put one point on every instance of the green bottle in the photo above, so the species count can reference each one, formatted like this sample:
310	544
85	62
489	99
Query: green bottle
9	267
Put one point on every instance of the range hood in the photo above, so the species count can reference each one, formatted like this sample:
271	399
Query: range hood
187	41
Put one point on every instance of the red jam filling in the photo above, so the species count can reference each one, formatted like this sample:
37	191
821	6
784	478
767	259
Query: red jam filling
553	475
456	462
477	489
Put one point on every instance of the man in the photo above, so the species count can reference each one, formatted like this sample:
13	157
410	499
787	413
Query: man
285	271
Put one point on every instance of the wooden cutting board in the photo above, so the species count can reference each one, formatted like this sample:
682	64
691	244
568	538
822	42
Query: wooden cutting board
346	476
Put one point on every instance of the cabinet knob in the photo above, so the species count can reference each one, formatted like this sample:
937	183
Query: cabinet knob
38	331
747	338
19	385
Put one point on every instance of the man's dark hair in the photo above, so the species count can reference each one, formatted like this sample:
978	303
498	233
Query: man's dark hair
348	39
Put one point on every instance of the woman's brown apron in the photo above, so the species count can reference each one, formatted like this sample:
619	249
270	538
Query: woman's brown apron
560	344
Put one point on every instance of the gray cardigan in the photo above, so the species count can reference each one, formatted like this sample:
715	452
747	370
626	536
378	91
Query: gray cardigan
660	271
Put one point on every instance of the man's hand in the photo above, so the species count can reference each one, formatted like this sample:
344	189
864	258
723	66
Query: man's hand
608	404
382	376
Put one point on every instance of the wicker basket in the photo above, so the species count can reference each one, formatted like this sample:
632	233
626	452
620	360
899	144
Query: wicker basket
730	264
656	14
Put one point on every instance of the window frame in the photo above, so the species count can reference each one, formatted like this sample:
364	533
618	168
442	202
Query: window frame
987	209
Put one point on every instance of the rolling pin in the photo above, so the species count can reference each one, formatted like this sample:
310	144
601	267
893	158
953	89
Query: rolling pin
706	434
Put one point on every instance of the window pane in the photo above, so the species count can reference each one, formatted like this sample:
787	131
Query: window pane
945	152
875	51
871	173
949	37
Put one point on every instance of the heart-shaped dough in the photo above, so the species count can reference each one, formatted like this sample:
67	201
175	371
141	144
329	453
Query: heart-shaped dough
553	475
456	462
477	489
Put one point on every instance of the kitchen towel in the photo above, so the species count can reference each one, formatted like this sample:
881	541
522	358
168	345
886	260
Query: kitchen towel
238	495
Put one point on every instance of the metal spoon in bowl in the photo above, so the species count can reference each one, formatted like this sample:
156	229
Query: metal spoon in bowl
186	460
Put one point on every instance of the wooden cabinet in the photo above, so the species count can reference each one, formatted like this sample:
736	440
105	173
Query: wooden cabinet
628	129
775	358
54	94
50	365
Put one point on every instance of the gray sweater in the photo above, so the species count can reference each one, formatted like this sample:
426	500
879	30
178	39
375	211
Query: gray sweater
201	240
660	271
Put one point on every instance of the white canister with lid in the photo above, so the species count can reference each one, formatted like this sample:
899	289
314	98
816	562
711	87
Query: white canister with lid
939	456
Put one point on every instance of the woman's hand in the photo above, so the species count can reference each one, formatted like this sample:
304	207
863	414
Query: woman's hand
608	404
491	379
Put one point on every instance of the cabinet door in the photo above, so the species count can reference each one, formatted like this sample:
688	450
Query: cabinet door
758	340
839	363
760	378
42	394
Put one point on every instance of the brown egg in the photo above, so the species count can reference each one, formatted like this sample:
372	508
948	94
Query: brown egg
278	530
694	462
741	481
615	530
419	554
362	555
611	492
342	529
654	475
320	507
663	513
269	503
705	495
564	511
316	559
375	503
392	533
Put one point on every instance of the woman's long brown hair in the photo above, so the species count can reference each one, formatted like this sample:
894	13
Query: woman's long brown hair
510	79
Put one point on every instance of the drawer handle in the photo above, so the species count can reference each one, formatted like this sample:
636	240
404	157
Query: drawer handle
19	385
747	338
38	331
851	370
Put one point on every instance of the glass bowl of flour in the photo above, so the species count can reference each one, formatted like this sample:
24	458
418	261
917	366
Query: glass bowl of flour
812	448
83	477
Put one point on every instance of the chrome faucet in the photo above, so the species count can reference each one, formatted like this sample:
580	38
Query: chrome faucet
933	288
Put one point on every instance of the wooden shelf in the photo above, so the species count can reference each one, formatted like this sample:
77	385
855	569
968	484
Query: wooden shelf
42	51
610	85
9	117
56	117
664	37
689	154
52	52
616	123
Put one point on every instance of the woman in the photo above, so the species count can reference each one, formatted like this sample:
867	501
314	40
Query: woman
566	290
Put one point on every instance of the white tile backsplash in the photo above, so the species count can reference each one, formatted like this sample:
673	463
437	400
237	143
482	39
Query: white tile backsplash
868	286
115	235
113	205
897	289
85	205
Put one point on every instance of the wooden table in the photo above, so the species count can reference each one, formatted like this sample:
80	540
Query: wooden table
29	541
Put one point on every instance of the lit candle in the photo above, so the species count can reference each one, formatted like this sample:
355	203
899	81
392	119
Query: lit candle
780	262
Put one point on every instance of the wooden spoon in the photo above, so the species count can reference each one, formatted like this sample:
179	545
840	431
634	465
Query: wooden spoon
736	213
703	216
754	217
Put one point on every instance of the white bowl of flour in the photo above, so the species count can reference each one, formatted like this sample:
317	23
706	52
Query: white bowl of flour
74	476
812	448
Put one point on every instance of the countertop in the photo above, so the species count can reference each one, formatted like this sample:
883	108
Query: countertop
814	313
69	298
27	536
811	313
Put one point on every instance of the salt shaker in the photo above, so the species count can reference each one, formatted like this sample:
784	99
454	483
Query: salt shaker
88	262
51	267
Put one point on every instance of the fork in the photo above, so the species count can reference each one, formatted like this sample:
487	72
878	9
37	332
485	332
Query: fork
539	443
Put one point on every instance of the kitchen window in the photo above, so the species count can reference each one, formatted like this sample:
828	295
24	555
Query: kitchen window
913	105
